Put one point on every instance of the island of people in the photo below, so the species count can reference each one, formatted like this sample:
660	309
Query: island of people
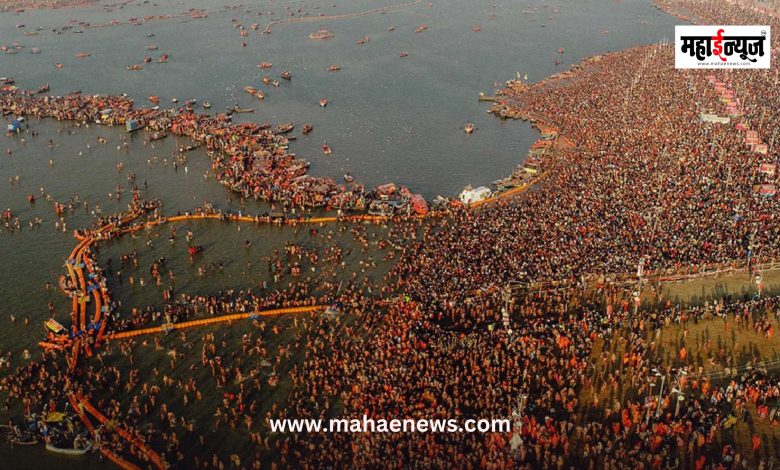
593	373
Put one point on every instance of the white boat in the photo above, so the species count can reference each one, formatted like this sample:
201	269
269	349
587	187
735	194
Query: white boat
66	451
471	195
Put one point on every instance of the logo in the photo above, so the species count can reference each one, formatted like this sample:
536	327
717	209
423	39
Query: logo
722	47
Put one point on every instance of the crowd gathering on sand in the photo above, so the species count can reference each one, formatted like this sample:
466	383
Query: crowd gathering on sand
578	371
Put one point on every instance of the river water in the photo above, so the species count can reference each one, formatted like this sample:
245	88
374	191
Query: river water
390	119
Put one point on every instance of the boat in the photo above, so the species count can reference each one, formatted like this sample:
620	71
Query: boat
162	59
43	89
404	54
79	445
188	148
476	28
147	60
307	128
334	68
321	34
348	178
265	65
83	55
58	65
391	28
264	125
267	80
561	50
251	90
154	99
151	47
174	100
134	67
419	204
421	28
471	195
286	75
469	128
54	326
363	40
260	95
236	109
326	149
380	208
323	102
275	83
283	128
206	105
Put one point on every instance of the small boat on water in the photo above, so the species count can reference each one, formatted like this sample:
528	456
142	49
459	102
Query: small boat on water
58	65
561	50
419	204
275	83
236	109
206	105
286	75
334	68
391	28
321	34
469	128
250	89
307	128
265	125
162	59
265	65
404	54
284	128
326	149
174	100
267	80
476	28
147	60
43	89
151	47
421	28
188	148
54	326
83	55
363	40
260	95
348	178
323	102
134	67
154	99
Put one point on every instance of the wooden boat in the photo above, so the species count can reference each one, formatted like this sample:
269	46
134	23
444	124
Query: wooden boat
404	54
236	109
265	65
421	28
476	28
264	125
147	60
348	178
419	204
43	89
162	59
83	55
134	67
251	90
469	128
54	326
67	451
286	75
321	34
267	80
151	47
326	149
260	95
58	65
363	40
206	105
275	83
283	128
307	128
334	68
154	99
323	102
